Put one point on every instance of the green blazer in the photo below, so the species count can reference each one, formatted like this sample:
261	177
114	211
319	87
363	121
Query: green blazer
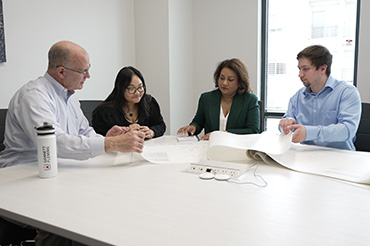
244	115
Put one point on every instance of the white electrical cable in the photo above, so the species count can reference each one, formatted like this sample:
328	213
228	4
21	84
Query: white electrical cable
241	177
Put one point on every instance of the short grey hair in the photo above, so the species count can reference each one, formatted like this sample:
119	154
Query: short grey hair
59	55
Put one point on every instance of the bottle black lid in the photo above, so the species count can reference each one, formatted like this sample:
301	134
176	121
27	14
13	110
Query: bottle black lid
46	128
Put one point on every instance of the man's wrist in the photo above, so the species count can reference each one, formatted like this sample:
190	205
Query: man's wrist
108	144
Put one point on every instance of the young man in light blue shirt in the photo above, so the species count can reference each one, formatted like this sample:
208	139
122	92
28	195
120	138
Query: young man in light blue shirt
326	111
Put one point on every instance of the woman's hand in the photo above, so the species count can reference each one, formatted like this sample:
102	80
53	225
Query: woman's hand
147	131
134	127
205	137
187	129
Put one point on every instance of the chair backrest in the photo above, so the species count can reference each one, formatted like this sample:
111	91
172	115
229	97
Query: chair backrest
88	107
3	112
262	115
362	142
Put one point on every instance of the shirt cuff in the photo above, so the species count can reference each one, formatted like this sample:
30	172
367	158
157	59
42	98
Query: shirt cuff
97	145
311	133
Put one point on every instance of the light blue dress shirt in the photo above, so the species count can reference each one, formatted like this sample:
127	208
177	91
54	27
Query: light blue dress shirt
40	100
331	117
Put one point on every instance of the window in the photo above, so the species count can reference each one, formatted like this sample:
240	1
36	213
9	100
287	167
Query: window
291	25
277	68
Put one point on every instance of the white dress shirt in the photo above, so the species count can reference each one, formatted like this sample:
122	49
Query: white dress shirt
40	100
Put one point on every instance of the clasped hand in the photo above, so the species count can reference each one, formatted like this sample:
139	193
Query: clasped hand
146	130
118	130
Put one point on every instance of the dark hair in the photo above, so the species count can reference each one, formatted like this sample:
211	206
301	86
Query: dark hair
116	97
319	55
241	70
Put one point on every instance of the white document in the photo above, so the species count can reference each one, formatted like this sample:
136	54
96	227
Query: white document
347	165
268	147
226	146
170	150
107	159
342	164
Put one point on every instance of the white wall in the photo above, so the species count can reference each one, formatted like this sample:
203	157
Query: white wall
152	50
164	53
182	99
104	28
223	30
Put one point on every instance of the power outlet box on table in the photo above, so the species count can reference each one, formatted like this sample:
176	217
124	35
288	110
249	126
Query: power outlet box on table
199	168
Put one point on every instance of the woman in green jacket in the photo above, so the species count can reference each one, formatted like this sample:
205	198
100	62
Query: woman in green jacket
231	107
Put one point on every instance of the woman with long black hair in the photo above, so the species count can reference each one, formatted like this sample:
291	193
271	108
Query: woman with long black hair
129	105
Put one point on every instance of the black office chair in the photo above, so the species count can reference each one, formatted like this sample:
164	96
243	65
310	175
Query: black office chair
88	107
3	112
11	234
362	142
262	115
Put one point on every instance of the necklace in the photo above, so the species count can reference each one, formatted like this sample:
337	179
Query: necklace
129	115
127	111
130	118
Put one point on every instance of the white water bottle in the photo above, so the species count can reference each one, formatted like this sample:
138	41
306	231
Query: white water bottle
46	151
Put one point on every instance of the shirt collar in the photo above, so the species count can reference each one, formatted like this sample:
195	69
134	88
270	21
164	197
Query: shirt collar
330	84
59	88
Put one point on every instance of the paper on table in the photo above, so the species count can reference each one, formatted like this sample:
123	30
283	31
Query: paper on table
226	146
177	152
186	139
107	159
127	158
341	164
166	149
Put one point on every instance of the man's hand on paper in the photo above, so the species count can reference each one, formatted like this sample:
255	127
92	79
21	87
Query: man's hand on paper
299	134
284	123
299	131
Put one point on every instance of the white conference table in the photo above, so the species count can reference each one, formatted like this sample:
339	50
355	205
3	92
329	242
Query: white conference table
142	203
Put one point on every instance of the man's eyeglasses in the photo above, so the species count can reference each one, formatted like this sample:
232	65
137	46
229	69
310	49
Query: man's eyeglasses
76	71
133	90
